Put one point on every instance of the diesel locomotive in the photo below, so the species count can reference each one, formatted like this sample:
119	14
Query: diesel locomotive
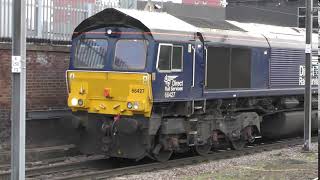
148	84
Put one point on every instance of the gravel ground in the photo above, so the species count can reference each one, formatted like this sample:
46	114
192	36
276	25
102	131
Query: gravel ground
290	163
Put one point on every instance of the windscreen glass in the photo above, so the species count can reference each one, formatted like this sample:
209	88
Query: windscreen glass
130	54
90	53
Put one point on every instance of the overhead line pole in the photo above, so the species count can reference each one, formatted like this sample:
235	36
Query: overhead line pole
308	62
18	103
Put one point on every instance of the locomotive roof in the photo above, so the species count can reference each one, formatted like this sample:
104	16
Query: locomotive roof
226	32
146	21
160	21
278	36
209	23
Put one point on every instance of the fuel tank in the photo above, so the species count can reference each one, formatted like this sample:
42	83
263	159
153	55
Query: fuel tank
286	124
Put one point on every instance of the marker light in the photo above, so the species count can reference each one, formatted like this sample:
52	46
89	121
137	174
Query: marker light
74	101
109	31
135	106
80	102
129	105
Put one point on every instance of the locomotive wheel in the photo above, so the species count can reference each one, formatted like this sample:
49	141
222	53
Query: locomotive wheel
204	149
238	144
163	155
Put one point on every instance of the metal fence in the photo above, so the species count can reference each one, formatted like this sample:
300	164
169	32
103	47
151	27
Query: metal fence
54	20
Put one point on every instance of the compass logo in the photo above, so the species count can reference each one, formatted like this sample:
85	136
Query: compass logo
172	86
168	81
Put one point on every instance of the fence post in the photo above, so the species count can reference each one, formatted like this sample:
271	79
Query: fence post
90	10
39	16
128	4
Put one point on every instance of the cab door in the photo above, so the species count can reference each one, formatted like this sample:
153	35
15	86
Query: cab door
172	79
198	71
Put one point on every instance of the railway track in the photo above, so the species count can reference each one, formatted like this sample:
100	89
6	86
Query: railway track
40	154
98	167
62	165
185	161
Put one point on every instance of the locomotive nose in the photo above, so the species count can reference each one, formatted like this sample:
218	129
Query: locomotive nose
110	93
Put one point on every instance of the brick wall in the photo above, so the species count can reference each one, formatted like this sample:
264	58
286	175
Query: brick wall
46	86
5	94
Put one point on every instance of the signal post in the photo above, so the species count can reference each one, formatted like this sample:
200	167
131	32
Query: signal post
18	103
308	86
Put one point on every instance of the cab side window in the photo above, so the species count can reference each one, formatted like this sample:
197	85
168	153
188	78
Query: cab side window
176	63
170	58
164	61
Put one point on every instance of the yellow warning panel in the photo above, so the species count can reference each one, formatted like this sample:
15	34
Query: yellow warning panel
112	93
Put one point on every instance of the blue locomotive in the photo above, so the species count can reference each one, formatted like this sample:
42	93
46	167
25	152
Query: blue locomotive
149	84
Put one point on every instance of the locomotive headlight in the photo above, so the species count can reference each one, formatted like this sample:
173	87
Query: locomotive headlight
80	102
135	106
129	105
74	101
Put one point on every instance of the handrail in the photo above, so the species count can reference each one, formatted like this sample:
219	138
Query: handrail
193	65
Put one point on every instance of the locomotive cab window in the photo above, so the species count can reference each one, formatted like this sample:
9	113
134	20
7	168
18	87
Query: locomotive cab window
164	57
170	58
90	53
176	63
130	54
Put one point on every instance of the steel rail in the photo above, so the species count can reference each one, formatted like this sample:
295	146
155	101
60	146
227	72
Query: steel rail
57	167
41	155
